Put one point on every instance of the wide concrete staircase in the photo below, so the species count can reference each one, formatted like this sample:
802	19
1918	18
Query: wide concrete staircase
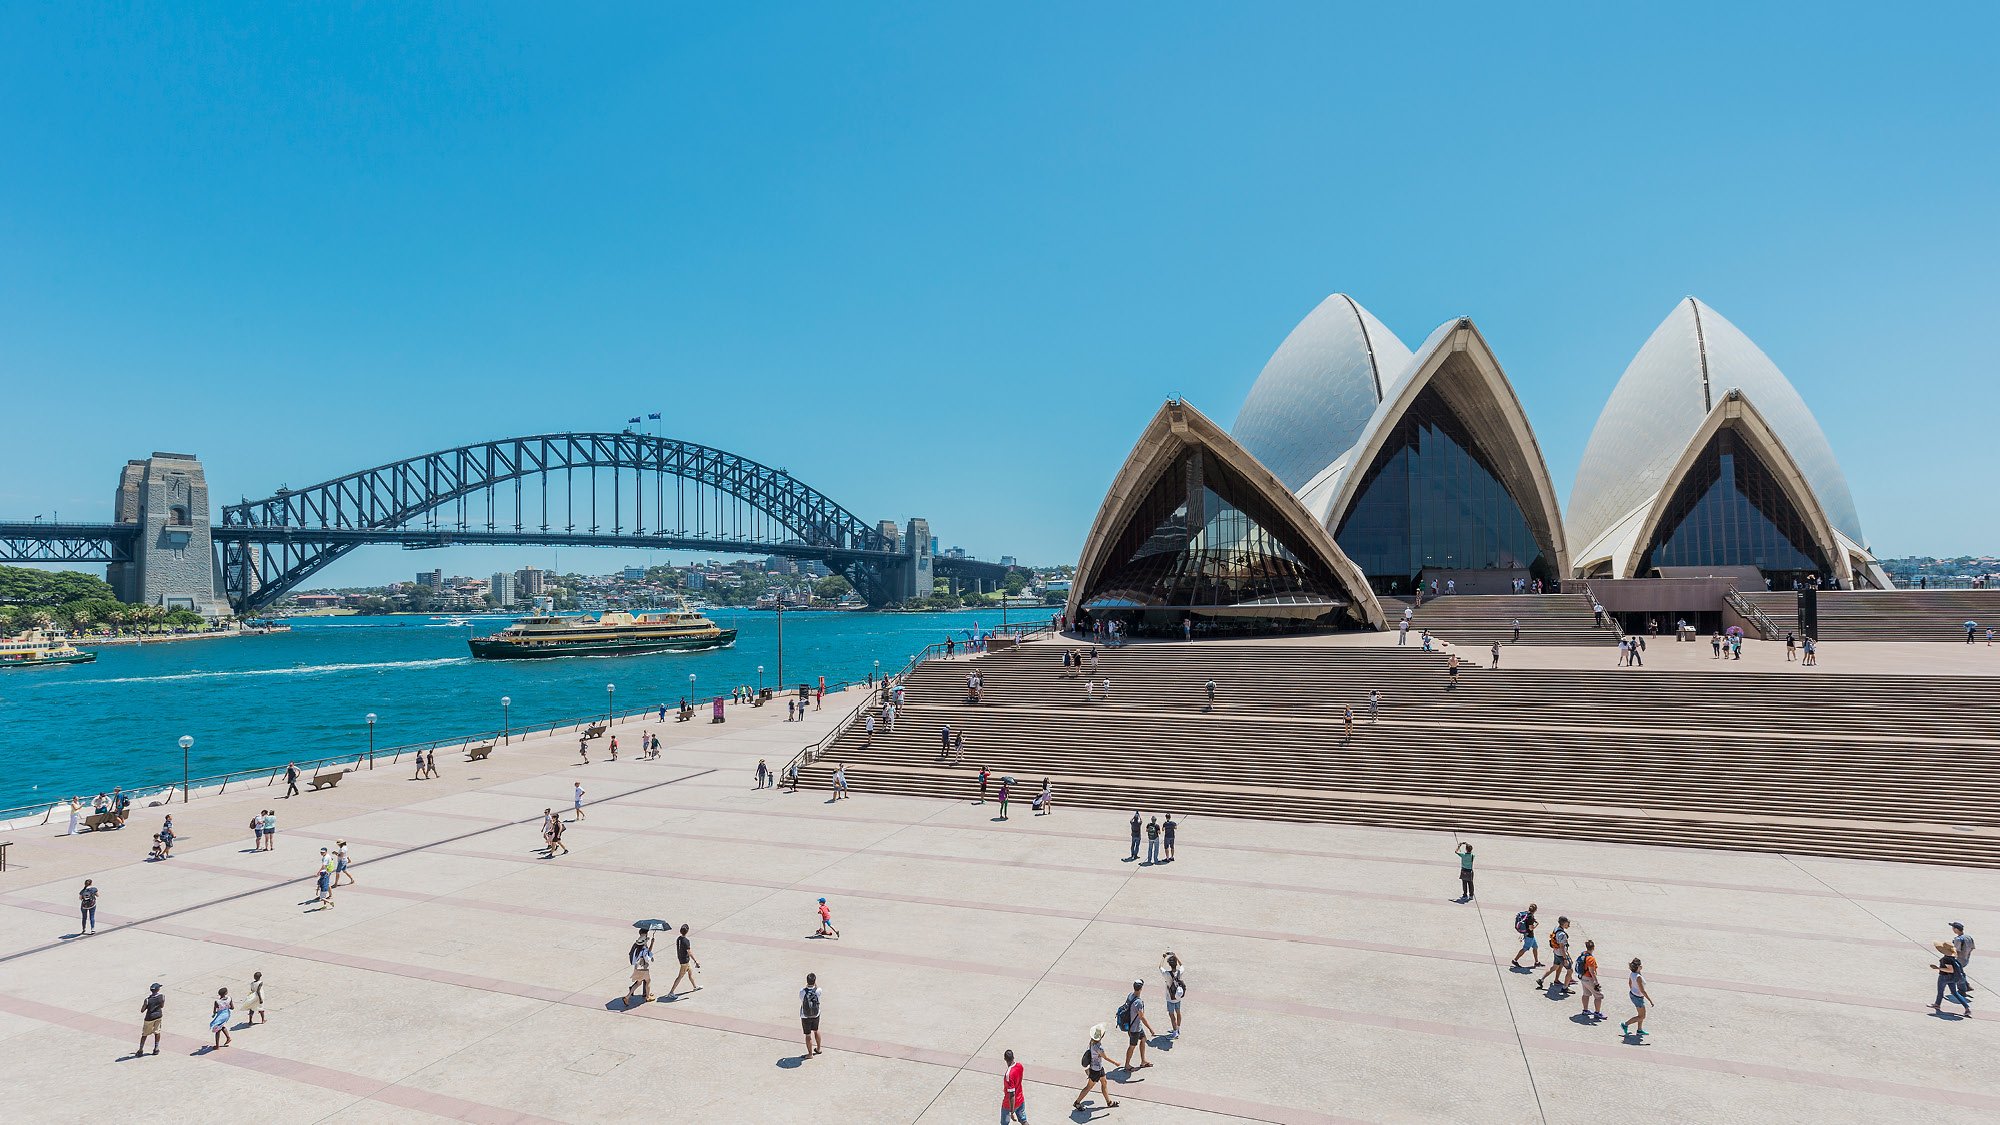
1480	619
1827	764
1887	615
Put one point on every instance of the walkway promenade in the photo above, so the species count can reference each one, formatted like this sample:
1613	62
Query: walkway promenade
1332	975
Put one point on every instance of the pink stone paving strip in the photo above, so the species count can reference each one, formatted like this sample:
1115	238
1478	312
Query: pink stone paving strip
1151	1092
1447	866
1705	925
326	1078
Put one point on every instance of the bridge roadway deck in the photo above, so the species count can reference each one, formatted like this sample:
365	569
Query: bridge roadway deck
1332	976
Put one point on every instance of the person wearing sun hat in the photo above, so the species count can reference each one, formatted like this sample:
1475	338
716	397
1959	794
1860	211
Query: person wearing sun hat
1093	1070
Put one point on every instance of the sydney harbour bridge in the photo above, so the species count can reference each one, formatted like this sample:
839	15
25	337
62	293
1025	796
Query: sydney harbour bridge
589	489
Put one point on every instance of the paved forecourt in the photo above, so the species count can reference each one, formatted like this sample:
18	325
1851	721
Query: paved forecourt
1332	976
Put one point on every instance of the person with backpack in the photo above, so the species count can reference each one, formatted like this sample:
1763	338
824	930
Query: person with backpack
1559	966
1171	967
1524	924
1136	826
1589	988
1093	1070
809	1000
640	957
1153	841
1167	836
1465	873
1133	1022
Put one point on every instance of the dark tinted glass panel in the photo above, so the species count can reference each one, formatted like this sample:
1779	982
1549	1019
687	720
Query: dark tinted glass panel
1202	537
1730	511
1432	499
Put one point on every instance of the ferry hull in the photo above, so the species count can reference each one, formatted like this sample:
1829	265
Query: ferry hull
72	658
488	649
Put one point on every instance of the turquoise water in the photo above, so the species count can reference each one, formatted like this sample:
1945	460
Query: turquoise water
255	701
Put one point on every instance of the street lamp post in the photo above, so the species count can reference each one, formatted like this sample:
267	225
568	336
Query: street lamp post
610	712
186	742
371	740
506	727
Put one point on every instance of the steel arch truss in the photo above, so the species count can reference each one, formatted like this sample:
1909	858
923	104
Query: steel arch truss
37	541
271	545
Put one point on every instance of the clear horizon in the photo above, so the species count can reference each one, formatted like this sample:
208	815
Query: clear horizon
945	262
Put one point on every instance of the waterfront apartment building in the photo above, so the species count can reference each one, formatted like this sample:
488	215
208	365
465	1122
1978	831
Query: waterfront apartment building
530	582
506	589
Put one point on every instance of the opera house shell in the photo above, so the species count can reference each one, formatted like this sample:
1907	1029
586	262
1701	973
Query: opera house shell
1417	462
1195	529
1706	459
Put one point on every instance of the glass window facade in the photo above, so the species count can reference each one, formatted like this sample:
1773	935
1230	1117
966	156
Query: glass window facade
1730	511
1204	539
1432	498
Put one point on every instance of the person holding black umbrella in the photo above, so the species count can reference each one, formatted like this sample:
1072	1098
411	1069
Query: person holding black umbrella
641	957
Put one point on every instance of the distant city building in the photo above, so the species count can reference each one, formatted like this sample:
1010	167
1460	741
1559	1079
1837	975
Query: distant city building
506	589
779	565
1008	560
434	579
697	579
635	574
954	553
934	549
531	582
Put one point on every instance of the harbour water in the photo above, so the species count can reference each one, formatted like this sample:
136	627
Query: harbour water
256	701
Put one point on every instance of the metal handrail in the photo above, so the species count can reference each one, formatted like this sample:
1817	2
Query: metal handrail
1746	609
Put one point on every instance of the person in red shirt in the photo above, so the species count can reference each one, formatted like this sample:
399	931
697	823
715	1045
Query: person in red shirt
1012	1099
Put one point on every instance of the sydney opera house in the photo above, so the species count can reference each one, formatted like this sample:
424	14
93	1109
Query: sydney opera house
1358	469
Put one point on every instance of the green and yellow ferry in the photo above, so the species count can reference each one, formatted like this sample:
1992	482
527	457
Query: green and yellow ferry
35	649
608	634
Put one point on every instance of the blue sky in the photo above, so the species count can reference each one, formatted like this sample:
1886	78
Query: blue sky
946	260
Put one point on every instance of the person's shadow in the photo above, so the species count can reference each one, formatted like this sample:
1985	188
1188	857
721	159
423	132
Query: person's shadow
791	1062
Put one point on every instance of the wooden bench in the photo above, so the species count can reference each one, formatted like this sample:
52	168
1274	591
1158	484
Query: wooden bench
596	731
97	822
478	753
327	780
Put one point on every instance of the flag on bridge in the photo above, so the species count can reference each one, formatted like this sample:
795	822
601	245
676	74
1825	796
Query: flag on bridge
653	417
634	418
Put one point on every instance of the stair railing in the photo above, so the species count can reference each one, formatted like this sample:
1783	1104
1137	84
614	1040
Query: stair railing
1746	609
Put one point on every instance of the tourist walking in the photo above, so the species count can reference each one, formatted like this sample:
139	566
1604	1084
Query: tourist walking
840	792
253	1004
555	835
1210	688
1133	1022
1791	646
1173	969
167	836
1045	801
86	902
1465	873
1347	723
809	1002
1962	945
583	748
219	1021
684	954
151	1011
340	863
1093	1070
1496	652
326	868
763	768
576	801
1374	705
1951	984
1451	671
869	739
826	921
1152	841
1517	632
1635	985
1137	827
291	779
640	956
1013	1099
1167	836
1589	989
1559	967
1524	924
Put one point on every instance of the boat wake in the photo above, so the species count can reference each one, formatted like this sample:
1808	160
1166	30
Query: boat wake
298	670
